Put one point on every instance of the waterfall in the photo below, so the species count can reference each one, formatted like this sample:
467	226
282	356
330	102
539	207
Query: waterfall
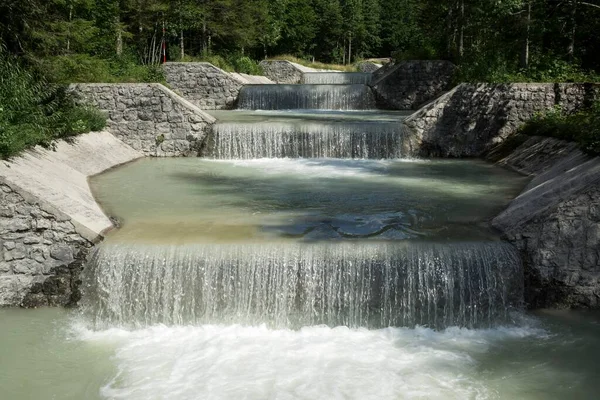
291	284
290	97
337	78
374	140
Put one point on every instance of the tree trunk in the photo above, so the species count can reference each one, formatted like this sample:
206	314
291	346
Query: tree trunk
350	49
571	46
451	33
181	45
204	39
461	35
69	28
119	40
525	52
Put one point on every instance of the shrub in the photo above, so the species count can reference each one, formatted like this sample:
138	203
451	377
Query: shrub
582	126
32	111
246	65
83	68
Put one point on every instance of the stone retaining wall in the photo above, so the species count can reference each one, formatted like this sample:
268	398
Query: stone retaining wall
149	117
555	223
203	84
368	66
409	84
49	218
282	72
473	118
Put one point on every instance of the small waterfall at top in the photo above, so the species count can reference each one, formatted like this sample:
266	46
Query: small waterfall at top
358	285
337	78
315	97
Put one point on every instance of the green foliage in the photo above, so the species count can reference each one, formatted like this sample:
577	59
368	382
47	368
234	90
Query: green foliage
246	65
582	126
34	112
543	69
317	65
82	68
497	41
230	63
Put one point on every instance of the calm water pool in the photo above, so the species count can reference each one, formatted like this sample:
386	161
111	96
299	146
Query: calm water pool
183	200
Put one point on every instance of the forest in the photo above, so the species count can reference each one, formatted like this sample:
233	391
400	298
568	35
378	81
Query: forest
47	44
493	40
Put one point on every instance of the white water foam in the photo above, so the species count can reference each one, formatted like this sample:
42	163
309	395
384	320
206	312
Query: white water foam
238	362
319	167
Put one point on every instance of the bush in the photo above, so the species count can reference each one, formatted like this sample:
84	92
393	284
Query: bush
582	126
542	69
246	65
317	65
82	68
233	62
32	111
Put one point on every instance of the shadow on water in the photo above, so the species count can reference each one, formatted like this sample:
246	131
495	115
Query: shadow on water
341	206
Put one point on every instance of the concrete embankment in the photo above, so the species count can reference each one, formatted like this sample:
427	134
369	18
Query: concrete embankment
49	217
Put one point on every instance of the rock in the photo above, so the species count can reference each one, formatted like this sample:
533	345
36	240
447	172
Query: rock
554	224
16	225
61	253
473	119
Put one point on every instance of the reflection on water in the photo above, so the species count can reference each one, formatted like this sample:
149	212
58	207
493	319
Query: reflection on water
179	200
51	354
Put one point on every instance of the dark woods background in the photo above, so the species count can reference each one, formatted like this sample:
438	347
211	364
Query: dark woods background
494	37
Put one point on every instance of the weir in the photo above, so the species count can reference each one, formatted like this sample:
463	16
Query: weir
292	285
317	97
337	78
367	140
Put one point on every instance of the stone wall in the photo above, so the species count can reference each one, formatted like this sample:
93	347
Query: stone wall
203	84
555	223
473	118
282	72
149	117
409	84
368	66
49	218
41	253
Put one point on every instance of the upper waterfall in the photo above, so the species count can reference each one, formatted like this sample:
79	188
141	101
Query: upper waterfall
337	78
294	97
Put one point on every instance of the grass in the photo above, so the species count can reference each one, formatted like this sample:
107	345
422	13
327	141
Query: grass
582	127
317	65
35	112
83	68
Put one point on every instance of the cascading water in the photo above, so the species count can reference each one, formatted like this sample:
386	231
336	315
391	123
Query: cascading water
292	285
353	139
337	78
222	269
316	97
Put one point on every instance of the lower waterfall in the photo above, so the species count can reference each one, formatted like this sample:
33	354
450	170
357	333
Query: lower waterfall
290	284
